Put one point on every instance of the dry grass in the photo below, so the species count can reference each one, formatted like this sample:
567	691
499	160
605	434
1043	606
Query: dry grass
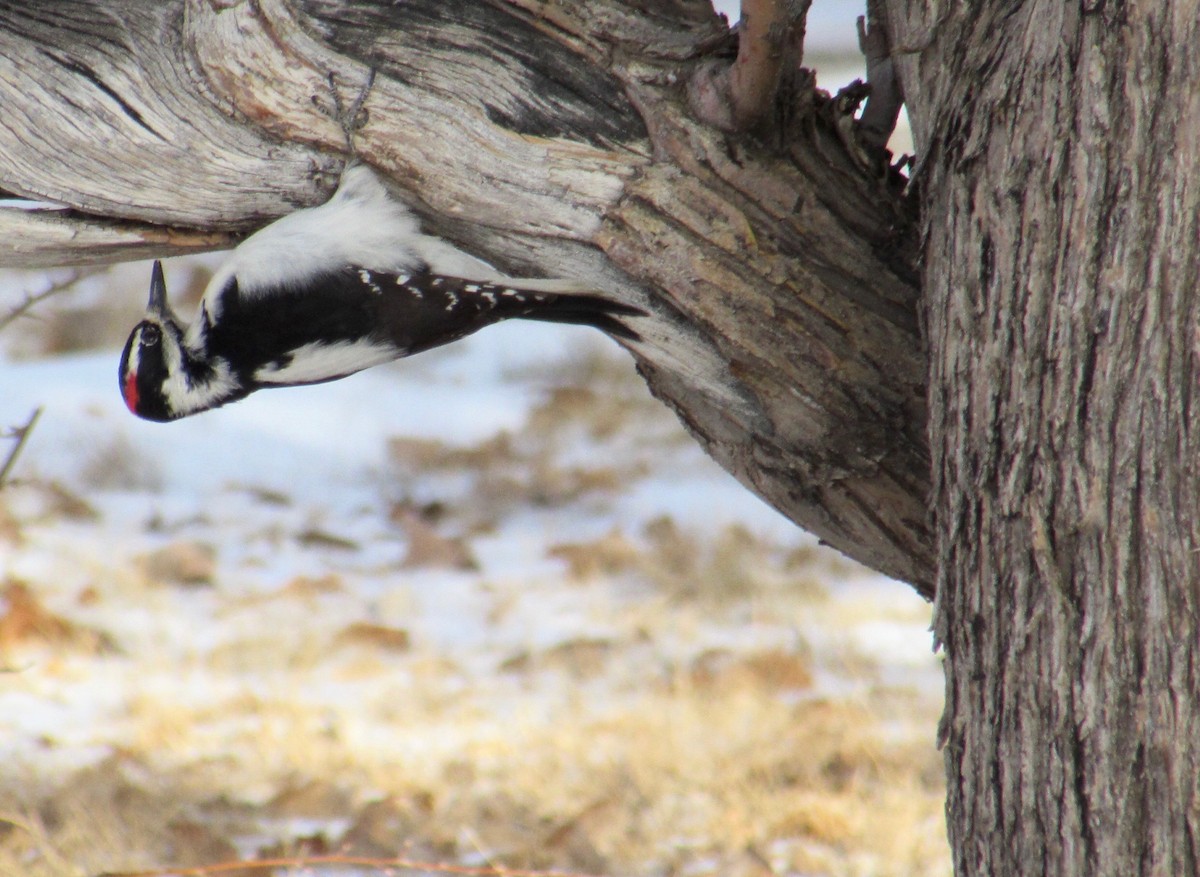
725	761
712	778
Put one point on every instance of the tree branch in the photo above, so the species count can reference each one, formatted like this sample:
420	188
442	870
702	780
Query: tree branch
89	127
40	238
780	282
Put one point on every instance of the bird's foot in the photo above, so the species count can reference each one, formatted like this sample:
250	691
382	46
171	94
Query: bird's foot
353	118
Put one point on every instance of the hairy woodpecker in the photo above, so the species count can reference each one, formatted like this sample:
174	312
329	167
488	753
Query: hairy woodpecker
325	292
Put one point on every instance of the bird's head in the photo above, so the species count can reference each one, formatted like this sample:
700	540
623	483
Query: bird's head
164	378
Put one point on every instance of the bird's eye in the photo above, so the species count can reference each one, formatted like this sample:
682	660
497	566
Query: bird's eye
151	335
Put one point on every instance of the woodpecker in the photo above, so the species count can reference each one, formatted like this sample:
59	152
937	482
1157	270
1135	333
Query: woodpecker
328	291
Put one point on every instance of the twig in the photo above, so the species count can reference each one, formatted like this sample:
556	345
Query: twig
21	434
879	116
740	96
754	78
342	860
32	300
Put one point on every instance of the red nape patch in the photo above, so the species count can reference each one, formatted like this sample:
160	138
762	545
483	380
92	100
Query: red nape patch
130	392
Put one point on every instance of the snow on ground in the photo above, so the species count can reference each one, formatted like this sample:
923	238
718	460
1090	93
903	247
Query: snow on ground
497	579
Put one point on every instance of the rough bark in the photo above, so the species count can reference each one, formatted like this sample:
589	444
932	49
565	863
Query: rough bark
549	138
1058	145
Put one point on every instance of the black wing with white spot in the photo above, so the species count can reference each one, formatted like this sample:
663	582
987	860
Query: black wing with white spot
424	310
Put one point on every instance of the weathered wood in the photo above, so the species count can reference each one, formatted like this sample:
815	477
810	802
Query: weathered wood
1062	196
36	238
104	113
548	138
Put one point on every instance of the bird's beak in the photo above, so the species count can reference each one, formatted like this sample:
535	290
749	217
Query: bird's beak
158	292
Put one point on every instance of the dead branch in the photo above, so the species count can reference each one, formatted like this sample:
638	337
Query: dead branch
754	78
771	40
782	282
37	238
882	109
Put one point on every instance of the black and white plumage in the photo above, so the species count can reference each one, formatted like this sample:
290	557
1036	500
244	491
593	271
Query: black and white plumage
326	292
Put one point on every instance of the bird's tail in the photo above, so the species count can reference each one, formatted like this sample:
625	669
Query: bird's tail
589	310
564	301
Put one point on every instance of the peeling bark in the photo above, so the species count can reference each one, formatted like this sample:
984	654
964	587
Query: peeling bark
548	138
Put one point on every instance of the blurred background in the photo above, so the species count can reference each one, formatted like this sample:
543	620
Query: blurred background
488	606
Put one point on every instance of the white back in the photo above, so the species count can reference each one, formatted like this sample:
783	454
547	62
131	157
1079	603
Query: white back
361	225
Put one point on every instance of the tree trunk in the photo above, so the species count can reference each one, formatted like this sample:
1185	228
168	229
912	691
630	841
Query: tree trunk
551	139
1061	194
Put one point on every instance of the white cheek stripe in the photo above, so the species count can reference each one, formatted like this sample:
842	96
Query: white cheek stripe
183	398
322	362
